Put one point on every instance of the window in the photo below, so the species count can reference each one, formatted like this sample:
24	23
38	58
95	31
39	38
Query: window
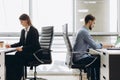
113	16
52	12
43	13
10	12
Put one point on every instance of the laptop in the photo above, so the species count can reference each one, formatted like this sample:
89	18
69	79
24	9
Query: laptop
117	45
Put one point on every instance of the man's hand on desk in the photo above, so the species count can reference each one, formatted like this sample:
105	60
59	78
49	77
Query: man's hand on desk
108	46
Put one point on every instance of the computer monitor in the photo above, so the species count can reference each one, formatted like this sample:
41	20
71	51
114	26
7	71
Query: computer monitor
117	43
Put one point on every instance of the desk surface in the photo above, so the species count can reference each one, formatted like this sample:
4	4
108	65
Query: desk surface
7	50
109	51
112	52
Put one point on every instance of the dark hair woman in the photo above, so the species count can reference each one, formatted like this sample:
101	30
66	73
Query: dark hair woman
27	45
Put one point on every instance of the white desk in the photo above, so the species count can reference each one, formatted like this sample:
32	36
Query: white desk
2	61
110	64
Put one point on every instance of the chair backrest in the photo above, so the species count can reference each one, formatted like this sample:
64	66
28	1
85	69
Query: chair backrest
46	37
46	42
68	45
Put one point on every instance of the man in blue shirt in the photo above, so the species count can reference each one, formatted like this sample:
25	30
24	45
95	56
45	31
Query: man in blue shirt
83	42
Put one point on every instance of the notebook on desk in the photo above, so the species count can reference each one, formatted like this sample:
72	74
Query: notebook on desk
117	45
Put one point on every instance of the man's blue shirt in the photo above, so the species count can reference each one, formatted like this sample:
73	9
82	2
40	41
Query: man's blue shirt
84	41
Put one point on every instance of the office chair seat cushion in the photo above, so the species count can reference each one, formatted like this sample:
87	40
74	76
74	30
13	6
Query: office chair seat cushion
77	66
36	62
33	63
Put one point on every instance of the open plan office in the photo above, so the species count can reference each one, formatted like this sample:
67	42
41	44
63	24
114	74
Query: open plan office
59	39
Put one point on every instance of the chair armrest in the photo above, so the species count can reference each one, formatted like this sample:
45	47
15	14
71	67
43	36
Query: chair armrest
36	57
91	62
87	53
82	52
39	53
40	50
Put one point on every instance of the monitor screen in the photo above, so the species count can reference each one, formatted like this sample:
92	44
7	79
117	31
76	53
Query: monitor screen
117	43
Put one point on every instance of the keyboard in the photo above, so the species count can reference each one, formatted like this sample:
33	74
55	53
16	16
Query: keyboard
114	48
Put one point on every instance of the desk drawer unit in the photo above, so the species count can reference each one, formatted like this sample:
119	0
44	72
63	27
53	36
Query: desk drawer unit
110	67
110	64
104	66
2	66
103	77
104	59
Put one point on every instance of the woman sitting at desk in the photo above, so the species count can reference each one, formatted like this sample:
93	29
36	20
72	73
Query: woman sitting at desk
27	45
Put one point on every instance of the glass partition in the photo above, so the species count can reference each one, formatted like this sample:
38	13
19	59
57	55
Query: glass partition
105	12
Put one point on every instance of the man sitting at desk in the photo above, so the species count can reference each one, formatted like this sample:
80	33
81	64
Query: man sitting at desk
83	42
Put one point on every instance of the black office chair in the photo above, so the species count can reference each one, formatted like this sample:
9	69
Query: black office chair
45	42
69	57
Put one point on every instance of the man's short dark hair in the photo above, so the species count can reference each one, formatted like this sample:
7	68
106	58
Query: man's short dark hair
88	18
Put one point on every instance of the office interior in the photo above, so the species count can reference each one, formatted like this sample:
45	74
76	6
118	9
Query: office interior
58	13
